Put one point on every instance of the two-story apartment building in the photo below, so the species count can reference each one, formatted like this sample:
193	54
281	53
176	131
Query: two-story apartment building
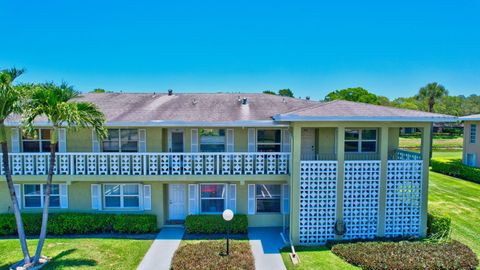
471	140
325	170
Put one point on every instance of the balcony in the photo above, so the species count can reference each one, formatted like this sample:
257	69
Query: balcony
151	163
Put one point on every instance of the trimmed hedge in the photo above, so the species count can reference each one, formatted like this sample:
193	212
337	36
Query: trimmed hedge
438	226
212	224
455	168
81	223
408	255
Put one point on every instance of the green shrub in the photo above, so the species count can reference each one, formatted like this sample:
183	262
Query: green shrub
207	255
455	168
212	224
80	223
407	255
438	226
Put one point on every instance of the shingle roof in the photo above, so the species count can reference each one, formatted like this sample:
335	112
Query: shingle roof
341	110
473	117
227	109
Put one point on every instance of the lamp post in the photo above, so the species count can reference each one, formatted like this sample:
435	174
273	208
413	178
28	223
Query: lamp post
228	216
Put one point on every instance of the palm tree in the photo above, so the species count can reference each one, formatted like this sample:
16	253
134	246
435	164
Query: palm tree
55	102
431	92
10	97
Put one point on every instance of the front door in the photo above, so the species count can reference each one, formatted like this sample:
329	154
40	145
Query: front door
177	208
308	144
176	141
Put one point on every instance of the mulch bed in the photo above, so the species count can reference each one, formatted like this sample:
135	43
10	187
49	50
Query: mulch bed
209	255
408	255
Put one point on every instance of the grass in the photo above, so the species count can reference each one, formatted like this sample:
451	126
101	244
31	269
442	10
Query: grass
209	255
447	154
81	253
447	195
438	143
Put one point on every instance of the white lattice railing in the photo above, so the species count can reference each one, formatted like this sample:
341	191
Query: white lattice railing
151	163
405	155
318	195
404	198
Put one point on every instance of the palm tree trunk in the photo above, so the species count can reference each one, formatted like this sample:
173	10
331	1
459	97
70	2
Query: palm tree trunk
16	208
46	202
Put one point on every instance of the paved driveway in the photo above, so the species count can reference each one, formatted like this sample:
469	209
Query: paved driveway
266	244
160	254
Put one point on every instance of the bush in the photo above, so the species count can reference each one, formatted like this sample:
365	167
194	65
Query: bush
438	226
206	255
407	255
212	224
80	223
455	168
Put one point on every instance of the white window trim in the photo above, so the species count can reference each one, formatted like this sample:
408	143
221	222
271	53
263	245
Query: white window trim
256	202
200	198
360	140
122	196
42	197
120	140
473	133
39	140
261	129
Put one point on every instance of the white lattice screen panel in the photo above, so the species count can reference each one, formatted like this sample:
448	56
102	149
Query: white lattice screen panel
361	199
404	198
318	195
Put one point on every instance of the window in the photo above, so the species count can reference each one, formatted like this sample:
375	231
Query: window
212	198
121	140
212	140
473	133
269	140
34	195
268	198
122	196
361	140
38	142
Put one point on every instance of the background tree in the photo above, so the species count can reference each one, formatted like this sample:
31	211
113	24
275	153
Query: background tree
57	104
431	93
270	92
285	93
10	98
357	94
98	90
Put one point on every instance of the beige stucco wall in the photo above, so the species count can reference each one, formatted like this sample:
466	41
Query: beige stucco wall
471	148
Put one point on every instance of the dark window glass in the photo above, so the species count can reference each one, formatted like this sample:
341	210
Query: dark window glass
131	201
268	147
213	206
33	201
351	146
369	146
269	136
112	201
268	198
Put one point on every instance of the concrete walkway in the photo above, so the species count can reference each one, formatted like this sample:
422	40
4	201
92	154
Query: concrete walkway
160	254
266	244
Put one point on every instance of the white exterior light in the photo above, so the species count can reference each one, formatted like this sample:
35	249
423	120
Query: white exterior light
227	215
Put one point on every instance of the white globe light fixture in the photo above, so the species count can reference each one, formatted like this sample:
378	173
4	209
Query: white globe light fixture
228	216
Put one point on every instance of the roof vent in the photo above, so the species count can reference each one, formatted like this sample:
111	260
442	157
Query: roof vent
194	101
244	101
284	101
307	97
170	92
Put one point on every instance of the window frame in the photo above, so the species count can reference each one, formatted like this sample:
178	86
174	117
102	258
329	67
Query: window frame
121	196
41	195
224	198
120	141
280	199
360	140
224	140
473	133
265	129
38	139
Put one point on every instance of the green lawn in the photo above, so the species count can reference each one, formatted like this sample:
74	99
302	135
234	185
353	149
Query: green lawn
447	154
458	198
438	143
82	253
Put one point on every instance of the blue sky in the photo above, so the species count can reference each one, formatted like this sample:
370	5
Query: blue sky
312	47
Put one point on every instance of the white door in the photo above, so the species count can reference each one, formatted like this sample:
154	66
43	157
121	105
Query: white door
308	144
177	206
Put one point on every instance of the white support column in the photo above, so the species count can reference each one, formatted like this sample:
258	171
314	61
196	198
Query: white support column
340	172
426	147
383	180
